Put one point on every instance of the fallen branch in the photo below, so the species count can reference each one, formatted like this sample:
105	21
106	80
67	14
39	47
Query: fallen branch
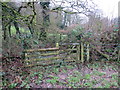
101	53
105	55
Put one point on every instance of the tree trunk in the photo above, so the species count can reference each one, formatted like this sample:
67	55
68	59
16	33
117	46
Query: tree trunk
46	20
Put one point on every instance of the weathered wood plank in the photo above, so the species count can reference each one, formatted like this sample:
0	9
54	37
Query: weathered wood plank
119	55
46	54
67	50
70	44
44	49
42	59
57	46
43	64
49	63
88	52
78	53
82	52
71	50
69	60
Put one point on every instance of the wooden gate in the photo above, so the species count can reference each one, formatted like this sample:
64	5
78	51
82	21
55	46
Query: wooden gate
67	52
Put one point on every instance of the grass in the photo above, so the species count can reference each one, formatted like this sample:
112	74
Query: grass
70	77
98	73
87	76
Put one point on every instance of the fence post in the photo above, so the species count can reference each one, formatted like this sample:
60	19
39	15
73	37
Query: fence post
25	70
24	57
78	53
82	52
118	55
88	52
57	46
78	56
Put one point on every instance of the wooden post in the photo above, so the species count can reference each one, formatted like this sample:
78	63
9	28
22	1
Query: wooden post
82	52
78	56
57	46
118	55
88	52
27	71
78	53
23	55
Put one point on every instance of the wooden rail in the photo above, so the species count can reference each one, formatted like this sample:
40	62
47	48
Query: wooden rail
42	59
36	57
45	54
44	49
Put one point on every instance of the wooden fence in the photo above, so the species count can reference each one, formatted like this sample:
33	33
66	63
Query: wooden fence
56	55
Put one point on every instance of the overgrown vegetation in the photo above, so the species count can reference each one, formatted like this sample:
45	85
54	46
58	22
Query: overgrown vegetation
90	76
35	25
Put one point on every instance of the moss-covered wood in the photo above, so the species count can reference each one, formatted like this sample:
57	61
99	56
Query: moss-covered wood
38	50
119	55
78	53
44	54
54	54
88	53
82	52
105	55
42	59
